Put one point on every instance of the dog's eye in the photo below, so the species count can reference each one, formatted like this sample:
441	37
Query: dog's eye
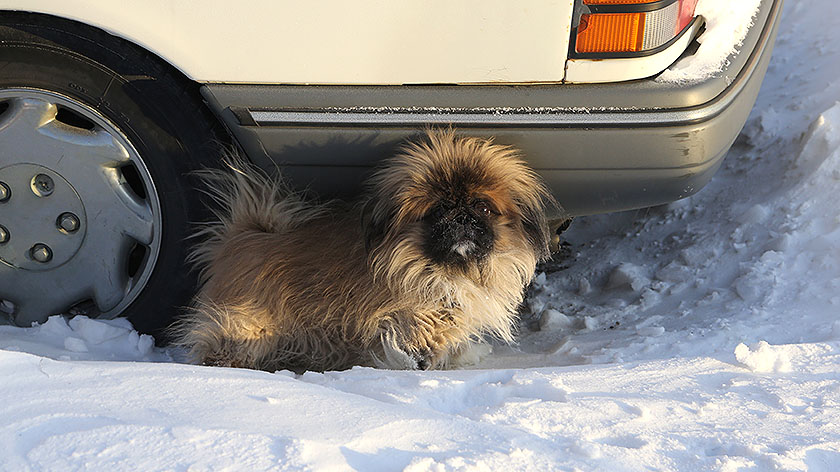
435	213
482	207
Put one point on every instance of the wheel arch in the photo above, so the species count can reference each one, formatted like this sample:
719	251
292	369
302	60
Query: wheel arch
87	26
100	39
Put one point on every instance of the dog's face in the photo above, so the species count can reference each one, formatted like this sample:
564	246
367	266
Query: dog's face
458	200
458	229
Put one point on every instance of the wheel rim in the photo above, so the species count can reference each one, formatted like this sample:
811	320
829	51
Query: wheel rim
80	219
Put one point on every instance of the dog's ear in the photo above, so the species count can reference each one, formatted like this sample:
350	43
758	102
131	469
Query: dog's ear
376	219
533	208
536	228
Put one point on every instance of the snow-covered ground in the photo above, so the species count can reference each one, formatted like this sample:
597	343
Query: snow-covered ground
701	335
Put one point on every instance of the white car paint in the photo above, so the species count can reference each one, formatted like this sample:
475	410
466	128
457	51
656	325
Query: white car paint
338	41
382	42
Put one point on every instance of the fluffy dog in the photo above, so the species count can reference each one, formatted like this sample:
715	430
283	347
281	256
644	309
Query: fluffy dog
435	255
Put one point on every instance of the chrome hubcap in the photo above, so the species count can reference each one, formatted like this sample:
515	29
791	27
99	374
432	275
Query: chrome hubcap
39	196
79	215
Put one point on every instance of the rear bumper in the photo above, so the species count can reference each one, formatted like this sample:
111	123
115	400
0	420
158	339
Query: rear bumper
599	147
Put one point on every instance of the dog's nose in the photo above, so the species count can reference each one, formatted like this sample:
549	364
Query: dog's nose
464	227
462	234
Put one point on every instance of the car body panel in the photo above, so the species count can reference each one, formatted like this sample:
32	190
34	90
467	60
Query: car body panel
359	42
337	41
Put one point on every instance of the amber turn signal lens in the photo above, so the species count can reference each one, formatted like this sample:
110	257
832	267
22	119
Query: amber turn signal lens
611	32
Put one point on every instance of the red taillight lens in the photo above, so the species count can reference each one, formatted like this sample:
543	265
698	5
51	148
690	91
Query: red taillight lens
687	8
611	30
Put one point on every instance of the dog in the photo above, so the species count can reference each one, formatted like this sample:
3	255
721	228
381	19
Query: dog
434	257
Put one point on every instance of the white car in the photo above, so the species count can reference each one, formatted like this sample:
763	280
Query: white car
107	107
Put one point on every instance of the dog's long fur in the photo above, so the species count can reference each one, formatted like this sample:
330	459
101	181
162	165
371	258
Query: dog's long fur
291	285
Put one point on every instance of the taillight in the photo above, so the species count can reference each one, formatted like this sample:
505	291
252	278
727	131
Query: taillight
625	27
686	13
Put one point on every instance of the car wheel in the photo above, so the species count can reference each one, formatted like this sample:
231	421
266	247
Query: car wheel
97	142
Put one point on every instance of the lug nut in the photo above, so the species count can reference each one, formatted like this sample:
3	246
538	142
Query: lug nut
5	192
4	234
41	253
42	185
68	222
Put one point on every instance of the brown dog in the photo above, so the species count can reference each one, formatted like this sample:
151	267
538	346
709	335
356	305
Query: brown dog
436	255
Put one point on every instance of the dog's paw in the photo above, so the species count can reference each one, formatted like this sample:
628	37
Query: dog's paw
423	362
215	361
427	360
393	356
397	352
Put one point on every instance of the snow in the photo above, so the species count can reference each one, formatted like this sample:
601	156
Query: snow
82	338
726	29
700	335
763	357
553	319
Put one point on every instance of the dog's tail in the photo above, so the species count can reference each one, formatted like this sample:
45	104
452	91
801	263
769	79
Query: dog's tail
244	198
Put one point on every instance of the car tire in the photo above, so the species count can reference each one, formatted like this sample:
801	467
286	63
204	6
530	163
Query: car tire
157	131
